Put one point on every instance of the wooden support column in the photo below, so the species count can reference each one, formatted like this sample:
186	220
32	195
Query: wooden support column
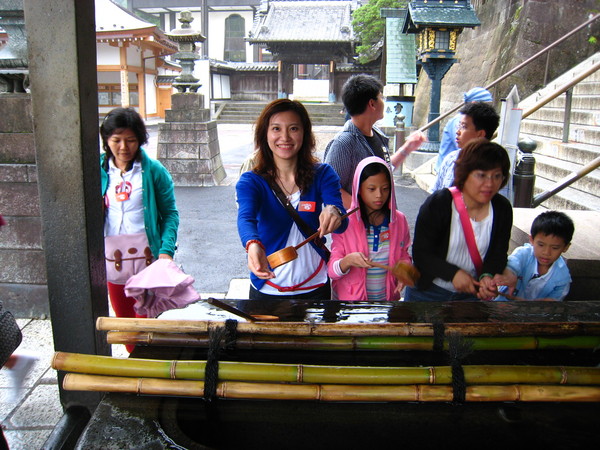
332	81
124	75
280	79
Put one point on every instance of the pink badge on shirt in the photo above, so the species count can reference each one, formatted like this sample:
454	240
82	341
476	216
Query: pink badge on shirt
385	236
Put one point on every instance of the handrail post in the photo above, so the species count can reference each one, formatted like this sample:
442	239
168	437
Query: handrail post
567	118
546	69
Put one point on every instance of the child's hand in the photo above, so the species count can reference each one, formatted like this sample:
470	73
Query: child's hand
488	289
356	259
508	279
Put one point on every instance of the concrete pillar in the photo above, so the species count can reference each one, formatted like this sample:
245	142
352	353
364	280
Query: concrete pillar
62	62
188	142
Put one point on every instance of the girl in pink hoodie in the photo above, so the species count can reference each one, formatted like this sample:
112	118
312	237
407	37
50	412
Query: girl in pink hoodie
380	233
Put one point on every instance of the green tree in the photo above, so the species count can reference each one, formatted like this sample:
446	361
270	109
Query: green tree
370	27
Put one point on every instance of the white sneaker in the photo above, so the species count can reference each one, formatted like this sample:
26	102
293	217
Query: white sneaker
18	372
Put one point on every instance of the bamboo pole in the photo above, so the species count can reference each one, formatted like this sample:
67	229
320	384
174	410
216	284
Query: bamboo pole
341	343
323	374
350	329
331	393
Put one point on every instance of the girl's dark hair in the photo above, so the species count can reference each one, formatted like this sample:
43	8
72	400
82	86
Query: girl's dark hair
369	170
480	154
118	120
264	162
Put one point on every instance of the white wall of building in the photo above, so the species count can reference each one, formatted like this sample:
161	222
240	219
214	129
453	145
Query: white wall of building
216	31
151	100
107	55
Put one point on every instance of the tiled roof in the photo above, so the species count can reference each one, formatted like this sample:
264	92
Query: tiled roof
462	15
243	66
305	21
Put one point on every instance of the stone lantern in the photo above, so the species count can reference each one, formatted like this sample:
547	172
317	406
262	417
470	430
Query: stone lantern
188	142
437	24
186	39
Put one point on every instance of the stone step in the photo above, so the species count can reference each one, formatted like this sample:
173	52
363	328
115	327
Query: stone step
548	168
585	102
588	86
569	151
578	116
248	112
568	198
578	133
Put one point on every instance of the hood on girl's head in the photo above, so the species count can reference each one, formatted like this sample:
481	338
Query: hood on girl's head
356	183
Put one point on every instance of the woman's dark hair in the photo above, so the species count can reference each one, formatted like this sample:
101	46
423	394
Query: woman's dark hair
369	170
118	120
480	154
264	162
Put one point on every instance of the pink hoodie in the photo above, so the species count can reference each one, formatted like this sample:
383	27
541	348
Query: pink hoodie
353	286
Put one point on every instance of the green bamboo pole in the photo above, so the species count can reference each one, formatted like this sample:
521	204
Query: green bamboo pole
323	374
332	343
350	329
331	393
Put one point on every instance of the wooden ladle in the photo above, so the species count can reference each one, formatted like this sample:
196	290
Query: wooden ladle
405	272
285	255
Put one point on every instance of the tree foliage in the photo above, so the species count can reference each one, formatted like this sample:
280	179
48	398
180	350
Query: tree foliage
370	27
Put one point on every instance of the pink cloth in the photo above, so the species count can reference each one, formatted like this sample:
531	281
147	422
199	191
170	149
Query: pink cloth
353	286
160	287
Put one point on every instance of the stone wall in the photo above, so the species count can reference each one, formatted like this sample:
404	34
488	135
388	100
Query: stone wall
23	288
512	31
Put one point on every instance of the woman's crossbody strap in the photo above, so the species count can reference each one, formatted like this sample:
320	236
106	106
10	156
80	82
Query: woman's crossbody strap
467	229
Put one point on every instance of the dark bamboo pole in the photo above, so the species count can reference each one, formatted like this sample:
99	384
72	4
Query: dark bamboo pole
351	329
349	343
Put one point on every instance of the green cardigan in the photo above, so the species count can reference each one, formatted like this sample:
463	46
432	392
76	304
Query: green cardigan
161	217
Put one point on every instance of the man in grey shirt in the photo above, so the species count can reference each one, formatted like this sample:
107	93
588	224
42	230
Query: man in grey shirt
362	96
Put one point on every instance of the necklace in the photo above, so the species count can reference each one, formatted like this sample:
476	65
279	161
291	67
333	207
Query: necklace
289	194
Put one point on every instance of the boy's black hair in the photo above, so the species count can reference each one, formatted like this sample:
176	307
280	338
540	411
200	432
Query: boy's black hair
553	223
484	117
357	92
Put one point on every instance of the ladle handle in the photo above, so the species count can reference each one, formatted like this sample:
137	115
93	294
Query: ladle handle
316	233
382	266
230	309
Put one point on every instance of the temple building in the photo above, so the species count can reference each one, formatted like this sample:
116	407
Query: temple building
259	50
130	62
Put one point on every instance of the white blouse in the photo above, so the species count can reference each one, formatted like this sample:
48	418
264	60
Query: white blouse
124	201
458	252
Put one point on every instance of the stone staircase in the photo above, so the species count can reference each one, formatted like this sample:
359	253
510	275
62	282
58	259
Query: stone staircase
555	159
248	112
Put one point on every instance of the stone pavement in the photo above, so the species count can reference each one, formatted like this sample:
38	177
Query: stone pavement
209	250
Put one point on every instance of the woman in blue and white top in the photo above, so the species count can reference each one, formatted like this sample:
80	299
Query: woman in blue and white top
285	144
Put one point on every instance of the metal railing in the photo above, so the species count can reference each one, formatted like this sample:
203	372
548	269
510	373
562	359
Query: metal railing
568	88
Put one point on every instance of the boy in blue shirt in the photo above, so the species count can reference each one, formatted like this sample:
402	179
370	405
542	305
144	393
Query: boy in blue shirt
537	271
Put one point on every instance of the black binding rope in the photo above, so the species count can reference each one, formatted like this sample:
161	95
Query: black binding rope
230	334
438	336
458	349
211	371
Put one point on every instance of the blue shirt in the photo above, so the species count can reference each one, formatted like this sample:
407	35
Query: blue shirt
523	263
